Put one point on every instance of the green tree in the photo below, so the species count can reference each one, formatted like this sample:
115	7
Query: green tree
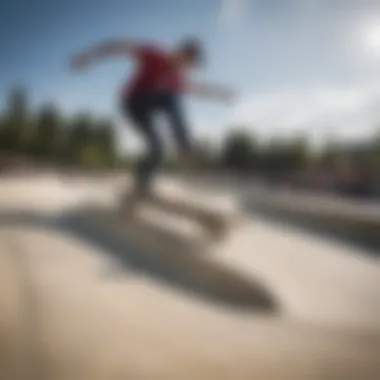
16	123
297	154
91	157
285	156
331	154
79	137
376	148
46	134
207	157
271	156
104	139
239	151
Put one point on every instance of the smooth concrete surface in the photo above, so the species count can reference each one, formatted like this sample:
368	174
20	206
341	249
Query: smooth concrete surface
80	301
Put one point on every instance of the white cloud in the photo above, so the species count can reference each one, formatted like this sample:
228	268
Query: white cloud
232	12
345	112
351	112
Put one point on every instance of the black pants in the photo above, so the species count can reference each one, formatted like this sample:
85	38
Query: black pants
142	111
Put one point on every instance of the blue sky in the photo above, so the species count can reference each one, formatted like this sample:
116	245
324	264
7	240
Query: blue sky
298	65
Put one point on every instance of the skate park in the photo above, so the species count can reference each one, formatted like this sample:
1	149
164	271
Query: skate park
82	300
278	134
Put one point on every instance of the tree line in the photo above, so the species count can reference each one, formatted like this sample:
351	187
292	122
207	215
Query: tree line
88	142
49	136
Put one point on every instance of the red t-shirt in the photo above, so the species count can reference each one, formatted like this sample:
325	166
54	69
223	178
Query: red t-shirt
156	72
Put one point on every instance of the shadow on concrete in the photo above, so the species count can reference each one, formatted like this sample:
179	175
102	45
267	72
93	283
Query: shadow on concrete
174	262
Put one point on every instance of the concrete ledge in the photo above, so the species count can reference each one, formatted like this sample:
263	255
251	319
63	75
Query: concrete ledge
358	222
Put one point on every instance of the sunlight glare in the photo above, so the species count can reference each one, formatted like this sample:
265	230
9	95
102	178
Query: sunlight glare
372	38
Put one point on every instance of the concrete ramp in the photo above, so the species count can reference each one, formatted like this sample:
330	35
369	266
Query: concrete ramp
65	320
83	297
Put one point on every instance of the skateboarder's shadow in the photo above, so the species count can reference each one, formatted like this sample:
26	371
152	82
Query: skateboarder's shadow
177	264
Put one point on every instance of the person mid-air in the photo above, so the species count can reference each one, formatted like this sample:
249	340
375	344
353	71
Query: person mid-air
160	79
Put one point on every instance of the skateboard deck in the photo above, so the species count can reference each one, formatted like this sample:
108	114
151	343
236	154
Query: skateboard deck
214	223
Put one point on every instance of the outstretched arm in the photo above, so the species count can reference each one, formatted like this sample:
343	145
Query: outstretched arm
211	91
116	47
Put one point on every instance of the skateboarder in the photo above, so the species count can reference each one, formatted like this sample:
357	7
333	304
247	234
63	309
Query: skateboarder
160	79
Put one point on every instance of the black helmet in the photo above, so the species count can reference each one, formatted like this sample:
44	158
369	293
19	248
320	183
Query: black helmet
192	48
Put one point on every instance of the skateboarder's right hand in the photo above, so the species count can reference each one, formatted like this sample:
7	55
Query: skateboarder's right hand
212	91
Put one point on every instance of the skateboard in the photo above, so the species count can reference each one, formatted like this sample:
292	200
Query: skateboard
214	224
